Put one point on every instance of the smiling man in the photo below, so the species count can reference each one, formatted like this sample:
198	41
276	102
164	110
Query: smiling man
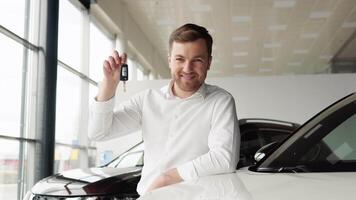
189	128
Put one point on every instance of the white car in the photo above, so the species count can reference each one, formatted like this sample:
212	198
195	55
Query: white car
318	161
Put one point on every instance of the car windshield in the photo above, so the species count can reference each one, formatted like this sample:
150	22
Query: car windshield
330	145
131	158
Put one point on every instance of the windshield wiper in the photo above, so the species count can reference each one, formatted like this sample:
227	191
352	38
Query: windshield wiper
294	169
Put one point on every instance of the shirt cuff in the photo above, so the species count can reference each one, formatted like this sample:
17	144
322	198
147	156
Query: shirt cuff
103	106
187	171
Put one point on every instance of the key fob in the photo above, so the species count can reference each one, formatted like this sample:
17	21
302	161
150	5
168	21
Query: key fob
124	74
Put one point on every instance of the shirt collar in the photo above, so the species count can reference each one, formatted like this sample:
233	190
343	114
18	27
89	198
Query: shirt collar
201	92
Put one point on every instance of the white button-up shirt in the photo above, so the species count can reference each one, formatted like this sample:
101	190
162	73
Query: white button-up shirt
198	135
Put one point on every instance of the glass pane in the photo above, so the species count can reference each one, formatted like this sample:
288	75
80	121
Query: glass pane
66	158
9	166
342	141
12	16
100	48
10	83
92	158
68	107
69	34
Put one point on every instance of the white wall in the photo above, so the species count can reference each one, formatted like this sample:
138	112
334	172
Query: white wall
289	98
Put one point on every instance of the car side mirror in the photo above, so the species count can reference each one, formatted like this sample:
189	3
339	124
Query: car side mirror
265	150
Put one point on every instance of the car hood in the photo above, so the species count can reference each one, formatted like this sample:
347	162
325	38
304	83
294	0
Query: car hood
247	185
91	181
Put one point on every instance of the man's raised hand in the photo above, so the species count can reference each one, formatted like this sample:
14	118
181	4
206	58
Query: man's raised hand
111	70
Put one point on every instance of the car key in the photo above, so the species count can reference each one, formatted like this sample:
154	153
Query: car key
124	74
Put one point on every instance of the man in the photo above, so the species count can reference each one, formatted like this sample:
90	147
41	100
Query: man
189	128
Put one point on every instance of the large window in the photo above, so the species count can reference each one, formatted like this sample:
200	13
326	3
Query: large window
17	56
11	85
9	169
13	15
19	31
101	46
82	45
70	34
68	109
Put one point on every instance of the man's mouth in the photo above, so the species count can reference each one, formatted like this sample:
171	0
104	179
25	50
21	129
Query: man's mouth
188	77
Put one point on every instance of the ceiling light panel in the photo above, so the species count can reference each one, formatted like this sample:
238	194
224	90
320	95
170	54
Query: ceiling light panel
240	39
300	51
240	53
200	8
281	27
264	69
319	14
284	3
325	57
349	25
267	59
165	22
240	65
272	45
309	35
294	64
240	19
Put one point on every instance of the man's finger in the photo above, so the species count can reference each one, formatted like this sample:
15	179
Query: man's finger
112	63
106	65
123	58
117	58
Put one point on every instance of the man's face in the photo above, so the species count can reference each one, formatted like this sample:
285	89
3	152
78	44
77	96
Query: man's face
189	63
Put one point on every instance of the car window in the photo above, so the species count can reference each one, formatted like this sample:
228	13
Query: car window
254	139
131	158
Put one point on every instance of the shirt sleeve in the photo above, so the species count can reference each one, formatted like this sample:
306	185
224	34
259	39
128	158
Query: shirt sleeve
106	123
223	142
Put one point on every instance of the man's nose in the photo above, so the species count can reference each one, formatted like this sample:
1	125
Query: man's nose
188	66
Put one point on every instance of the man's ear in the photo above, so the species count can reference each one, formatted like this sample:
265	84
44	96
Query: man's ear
169	60
209	62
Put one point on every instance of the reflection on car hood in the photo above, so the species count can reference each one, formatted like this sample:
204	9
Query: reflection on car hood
92	181
247	185
296	186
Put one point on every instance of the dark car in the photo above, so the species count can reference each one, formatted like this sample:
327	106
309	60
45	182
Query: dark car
118	179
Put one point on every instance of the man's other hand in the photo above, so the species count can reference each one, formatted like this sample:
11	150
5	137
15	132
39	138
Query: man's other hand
168	178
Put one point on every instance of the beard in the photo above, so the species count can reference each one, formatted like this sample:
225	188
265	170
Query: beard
191	85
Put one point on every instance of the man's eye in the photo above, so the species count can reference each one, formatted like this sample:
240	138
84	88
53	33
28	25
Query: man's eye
199	60
180	59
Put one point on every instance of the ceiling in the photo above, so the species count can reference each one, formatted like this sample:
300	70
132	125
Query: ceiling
258	37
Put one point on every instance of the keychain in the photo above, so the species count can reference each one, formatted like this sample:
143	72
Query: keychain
124	74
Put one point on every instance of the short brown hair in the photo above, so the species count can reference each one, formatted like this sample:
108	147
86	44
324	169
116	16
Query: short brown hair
190	33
